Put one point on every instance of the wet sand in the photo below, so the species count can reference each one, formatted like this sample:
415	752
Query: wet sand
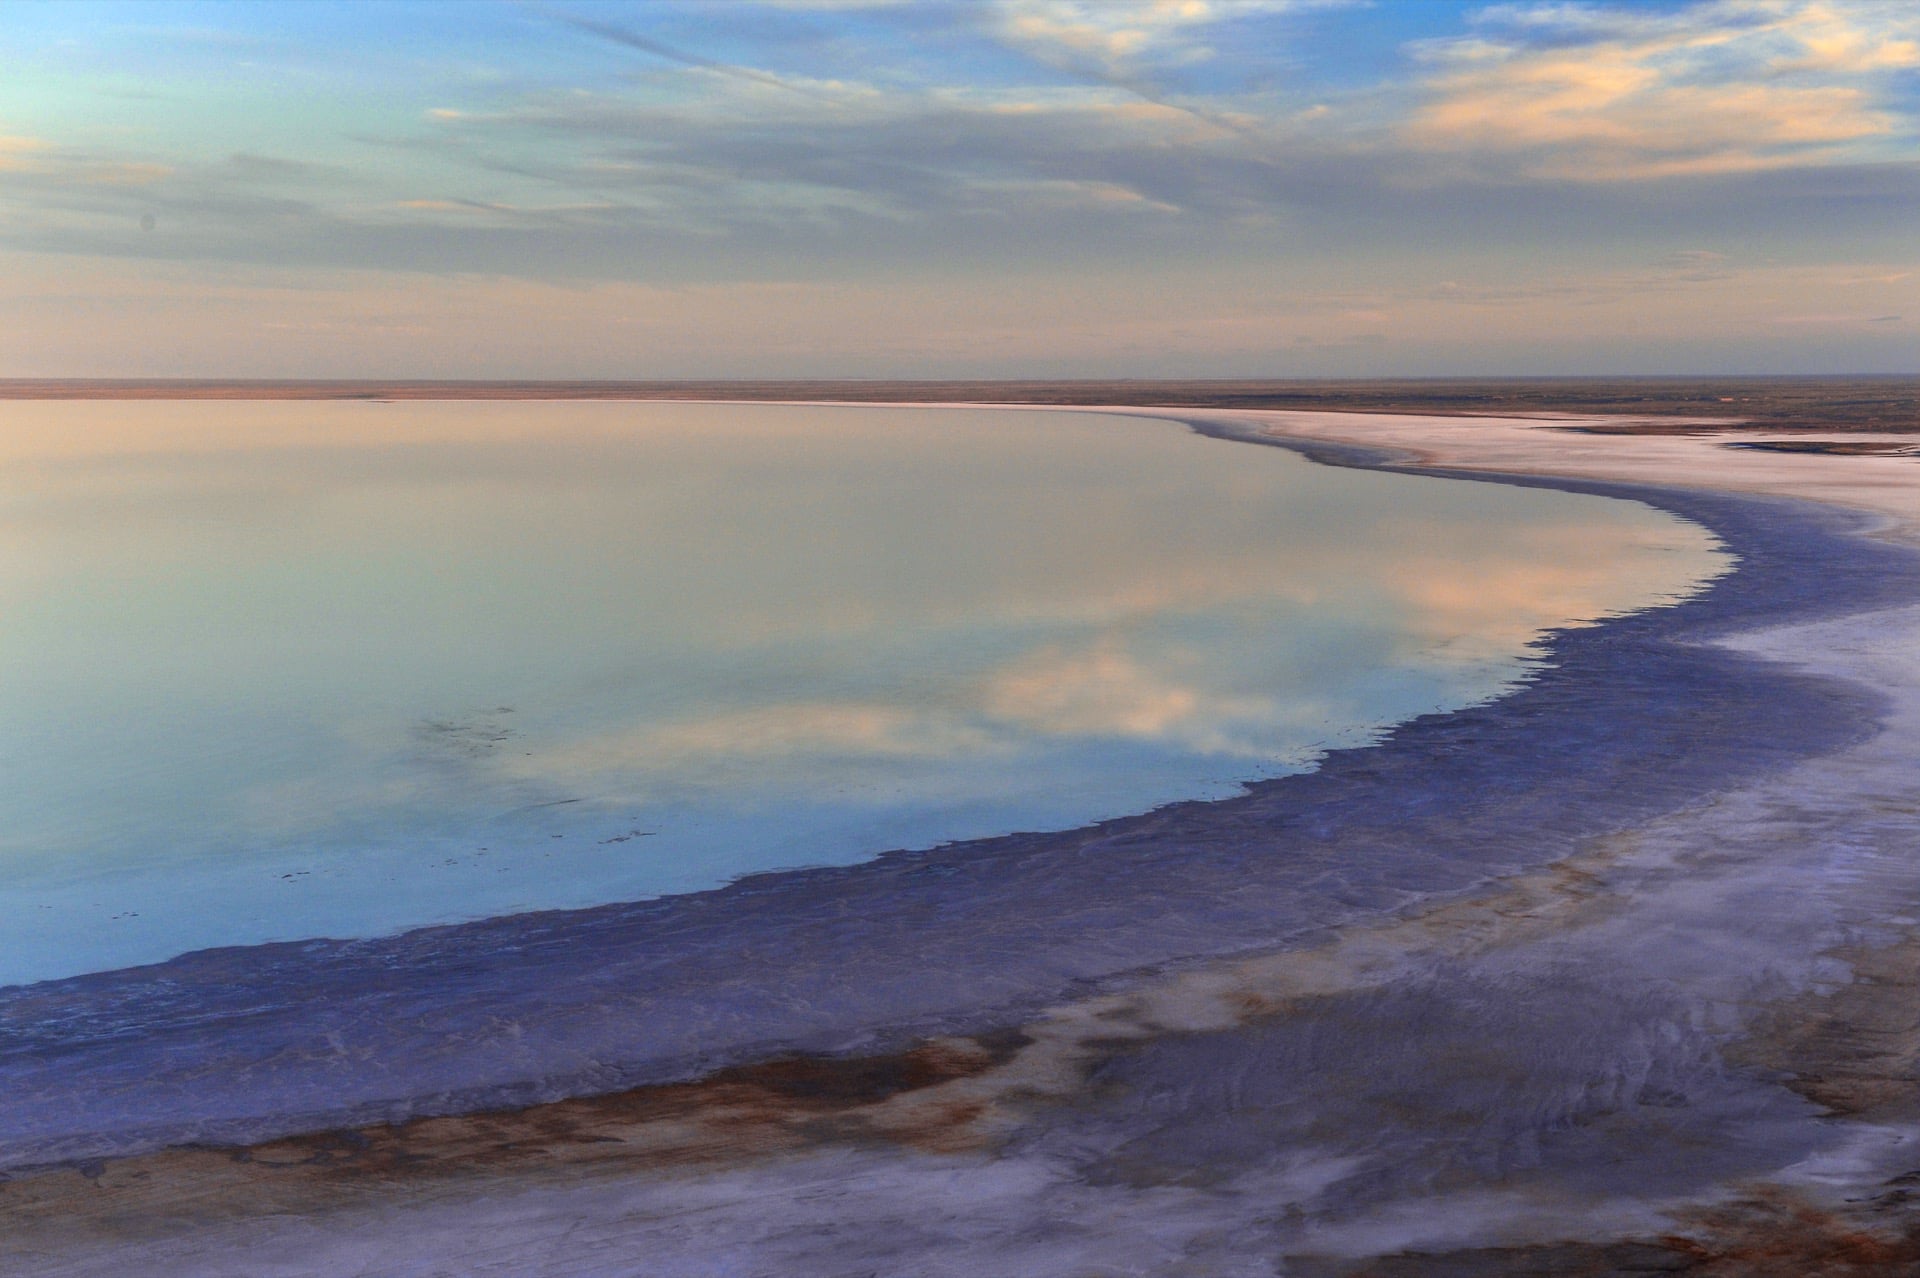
1615	975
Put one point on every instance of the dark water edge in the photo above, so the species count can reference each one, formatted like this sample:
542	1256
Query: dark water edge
1622	722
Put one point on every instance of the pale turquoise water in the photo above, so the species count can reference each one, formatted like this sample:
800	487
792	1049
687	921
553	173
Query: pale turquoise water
277	670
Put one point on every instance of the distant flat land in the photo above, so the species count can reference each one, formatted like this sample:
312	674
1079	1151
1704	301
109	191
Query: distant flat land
1643	405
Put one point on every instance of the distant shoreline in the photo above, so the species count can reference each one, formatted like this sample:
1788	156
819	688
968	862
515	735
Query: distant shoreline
1635	405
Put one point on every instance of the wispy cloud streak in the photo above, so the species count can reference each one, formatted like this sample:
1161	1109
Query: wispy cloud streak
629	39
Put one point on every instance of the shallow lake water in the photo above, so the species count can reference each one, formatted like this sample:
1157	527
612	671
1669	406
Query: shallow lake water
290	669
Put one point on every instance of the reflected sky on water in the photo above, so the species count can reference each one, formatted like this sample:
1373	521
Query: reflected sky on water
277	670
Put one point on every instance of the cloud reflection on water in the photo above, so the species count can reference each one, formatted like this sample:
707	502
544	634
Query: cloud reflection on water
344	668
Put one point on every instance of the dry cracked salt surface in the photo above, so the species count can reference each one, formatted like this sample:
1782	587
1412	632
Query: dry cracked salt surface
1690	1045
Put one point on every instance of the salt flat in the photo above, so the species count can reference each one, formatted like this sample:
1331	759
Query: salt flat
1667	1029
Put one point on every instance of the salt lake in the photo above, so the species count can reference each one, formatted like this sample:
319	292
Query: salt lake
279	670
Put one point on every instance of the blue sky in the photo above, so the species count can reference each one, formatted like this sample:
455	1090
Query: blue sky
992	188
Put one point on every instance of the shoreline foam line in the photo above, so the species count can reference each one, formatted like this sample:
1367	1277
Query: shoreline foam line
1627	720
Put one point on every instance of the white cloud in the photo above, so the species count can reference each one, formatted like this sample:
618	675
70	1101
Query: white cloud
1119	36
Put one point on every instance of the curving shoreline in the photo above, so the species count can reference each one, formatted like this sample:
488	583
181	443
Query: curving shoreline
1198	910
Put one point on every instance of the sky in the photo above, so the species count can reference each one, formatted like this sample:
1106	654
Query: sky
958	188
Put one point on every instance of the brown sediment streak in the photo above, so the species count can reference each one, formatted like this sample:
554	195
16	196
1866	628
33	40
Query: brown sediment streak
735	1115
1770	1233
944	1096
1775	1232
1854	1050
